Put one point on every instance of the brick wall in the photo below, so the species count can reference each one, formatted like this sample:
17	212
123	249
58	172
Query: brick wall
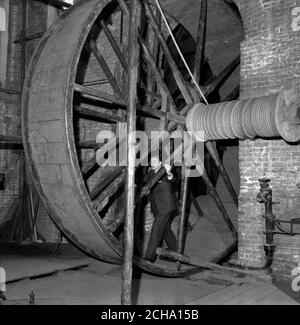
270	56
37	21
10	109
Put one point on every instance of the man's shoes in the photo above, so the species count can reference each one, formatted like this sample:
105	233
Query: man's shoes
150	259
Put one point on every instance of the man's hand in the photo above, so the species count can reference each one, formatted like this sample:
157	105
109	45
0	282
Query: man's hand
168	168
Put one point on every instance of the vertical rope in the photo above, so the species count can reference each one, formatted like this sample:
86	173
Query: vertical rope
179	51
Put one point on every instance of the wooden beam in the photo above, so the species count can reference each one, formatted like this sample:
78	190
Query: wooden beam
219	80
201	37
114	45
219	203
233	95
8	139
103	198
10	91
57	3
88	112
211	147
175	70
29	38
98	95
126	292
103	183
99	57
156	73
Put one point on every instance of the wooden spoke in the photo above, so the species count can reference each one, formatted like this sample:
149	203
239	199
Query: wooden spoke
218	81
160	114
96	82
201	37
11	139
156	73
211	147
105	68
93	114
150	61
87	145
175	70
114	45
89	167
97	95
218	202
156	55
110	190
116	223
233	95
104	183
149	93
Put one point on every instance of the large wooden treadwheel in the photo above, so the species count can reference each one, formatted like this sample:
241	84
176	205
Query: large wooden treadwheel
75	87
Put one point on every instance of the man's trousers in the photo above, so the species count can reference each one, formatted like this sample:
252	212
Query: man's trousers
161	230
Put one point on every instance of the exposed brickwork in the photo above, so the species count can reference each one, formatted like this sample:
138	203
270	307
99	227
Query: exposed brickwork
10	106
10	109
270	61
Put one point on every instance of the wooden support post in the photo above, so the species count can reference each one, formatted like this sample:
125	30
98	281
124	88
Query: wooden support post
126	298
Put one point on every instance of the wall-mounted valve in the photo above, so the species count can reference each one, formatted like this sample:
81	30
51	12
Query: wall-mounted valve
273	225
265	196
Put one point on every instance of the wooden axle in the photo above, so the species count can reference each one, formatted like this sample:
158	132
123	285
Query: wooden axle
266	117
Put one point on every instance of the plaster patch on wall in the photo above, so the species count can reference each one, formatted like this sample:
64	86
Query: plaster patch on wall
2	20
296	19
265	4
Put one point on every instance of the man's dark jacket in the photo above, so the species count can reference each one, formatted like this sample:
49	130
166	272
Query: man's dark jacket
162	197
